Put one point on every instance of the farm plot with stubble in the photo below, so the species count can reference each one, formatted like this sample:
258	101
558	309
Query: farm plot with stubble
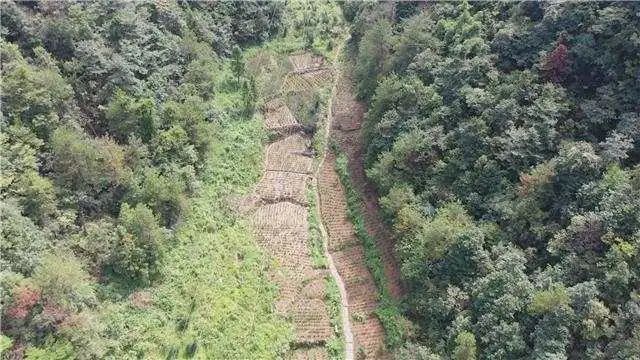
279	214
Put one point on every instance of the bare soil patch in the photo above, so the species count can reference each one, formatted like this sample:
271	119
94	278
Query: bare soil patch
291	154
306	81
282	231
347	132
305	62
348	255
313	353
336	220
278	186
278	117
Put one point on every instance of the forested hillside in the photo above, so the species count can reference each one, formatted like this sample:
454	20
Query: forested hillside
503	140
125	126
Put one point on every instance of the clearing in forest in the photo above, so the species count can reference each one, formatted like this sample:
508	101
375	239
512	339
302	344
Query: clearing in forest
280	211
280	214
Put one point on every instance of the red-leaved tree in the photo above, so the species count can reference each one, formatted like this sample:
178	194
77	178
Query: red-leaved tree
556	65
24	299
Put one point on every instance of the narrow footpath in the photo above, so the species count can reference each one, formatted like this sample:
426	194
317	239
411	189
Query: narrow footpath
344	246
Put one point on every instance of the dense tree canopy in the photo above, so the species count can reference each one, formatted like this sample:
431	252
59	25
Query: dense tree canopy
503	139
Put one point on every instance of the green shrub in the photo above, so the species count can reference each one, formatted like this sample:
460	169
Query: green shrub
336	345
315	235
139	246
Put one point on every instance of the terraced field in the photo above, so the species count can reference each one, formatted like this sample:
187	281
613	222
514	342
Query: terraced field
349	258
279	208
346	132
345	248
279	213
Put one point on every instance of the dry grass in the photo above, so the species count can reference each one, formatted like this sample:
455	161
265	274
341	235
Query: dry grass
306	81
278	117
311	322
334	208
289	154
313	353
277	186
347	110
305	62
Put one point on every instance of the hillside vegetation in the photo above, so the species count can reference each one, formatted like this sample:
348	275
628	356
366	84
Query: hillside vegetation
503	140
125	129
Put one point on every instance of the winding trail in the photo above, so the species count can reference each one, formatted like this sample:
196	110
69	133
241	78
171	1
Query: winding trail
345	248
344	302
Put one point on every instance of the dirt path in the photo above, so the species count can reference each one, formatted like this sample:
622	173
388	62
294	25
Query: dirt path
279	212
344	246
344	299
